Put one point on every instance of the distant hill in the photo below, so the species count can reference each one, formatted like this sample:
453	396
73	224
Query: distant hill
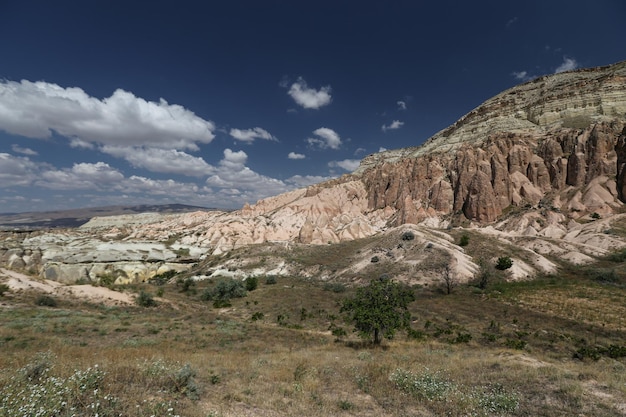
77	217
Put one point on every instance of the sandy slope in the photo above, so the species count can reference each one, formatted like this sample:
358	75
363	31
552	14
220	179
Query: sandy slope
17	282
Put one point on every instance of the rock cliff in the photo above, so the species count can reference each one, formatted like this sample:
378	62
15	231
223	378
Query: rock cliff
557	140
532	166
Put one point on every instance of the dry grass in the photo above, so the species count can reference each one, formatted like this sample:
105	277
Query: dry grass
517	359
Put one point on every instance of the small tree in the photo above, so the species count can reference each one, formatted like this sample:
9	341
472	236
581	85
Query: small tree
504	263
449	279
379	309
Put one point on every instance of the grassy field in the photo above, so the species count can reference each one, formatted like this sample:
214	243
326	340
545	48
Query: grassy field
551	347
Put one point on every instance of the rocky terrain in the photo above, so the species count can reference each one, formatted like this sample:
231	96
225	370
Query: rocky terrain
538	170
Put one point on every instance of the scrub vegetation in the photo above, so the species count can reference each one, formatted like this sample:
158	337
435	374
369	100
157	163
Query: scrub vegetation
552	346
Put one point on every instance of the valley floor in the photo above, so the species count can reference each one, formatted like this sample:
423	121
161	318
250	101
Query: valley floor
550	347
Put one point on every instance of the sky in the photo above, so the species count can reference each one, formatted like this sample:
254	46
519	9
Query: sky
222	103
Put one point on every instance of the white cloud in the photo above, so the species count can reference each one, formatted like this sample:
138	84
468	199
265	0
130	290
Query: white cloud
568	64
347	164
24	151
299	181
382	149
401	105
327	138
521	75
80	177
396	124
249	135
81	144
309	98
16	171
142	185
161	160
293	155
233	174
35	109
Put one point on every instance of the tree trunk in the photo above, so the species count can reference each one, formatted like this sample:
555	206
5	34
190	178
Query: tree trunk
377	337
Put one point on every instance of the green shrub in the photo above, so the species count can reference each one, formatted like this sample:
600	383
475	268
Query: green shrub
464	241
145	299
186	284
408	235
619	256
252	283
162	279
107	280
258	316
595	216
504	263
46	301
607	276
270	280
335	287
224	290
3	288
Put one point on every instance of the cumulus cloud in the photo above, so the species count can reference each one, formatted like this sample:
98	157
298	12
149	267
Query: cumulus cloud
233	174
36	109
301	181
293	155
24	151
309	98
568	64
249	135
396	124
326	138
168	161
16	171
347	164
401	105
80	177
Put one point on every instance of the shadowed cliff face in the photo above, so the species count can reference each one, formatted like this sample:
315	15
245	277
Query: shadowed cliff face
577	169
557	139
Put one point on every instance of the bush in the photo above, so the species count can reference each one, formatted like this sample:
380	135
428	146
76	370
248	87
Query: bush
375	259
619	256
408	235
504	263
107	280
270	280
3	288
46	301
145	299
336	287
186	284
162	279
464	240
252	283
224	290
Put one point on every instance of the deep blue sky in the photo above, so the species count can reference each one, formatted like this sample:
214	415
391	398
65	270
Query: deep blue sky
217	103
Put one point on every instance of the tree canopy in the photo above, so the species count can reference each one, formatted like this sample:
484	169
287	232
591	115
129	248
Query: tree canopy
379	309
